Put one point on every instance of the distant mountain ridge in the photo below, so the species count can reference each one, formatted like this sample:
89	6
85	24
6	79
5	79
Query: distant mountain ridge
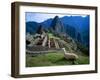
75	26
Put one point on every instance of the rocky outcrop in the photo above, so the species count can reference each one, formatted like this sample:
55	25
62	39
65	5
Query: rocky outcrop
57	26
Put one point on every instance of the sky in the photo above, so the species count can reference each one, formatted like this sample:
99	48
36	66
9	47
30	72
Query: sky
40	17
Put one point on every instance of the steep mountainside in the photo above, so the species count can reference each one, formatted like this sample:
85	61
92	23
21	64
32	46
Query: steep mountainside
76	27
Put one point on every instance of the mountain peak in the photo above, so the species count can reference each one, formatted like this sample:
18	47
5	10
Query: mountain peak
56	18
40	29
55	21
57	25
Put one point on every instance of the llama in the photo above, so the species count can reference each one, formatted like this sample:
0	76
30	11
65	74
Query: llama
70	56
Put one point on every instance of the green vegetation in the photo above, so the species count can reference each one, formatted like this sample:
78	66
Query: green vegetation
83	60
57	58
52	36
83	48
53	59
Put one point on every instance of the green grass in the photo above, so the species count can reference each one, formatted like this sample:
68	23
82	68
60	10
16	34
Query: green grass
52	36
83	60
53	59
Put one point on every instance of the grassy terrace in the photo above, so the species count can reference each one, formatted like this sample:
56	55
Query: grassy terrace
53	59
52	36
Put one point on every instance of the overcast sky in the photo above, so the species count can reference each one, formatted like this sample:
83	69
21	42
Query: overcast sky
40	17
